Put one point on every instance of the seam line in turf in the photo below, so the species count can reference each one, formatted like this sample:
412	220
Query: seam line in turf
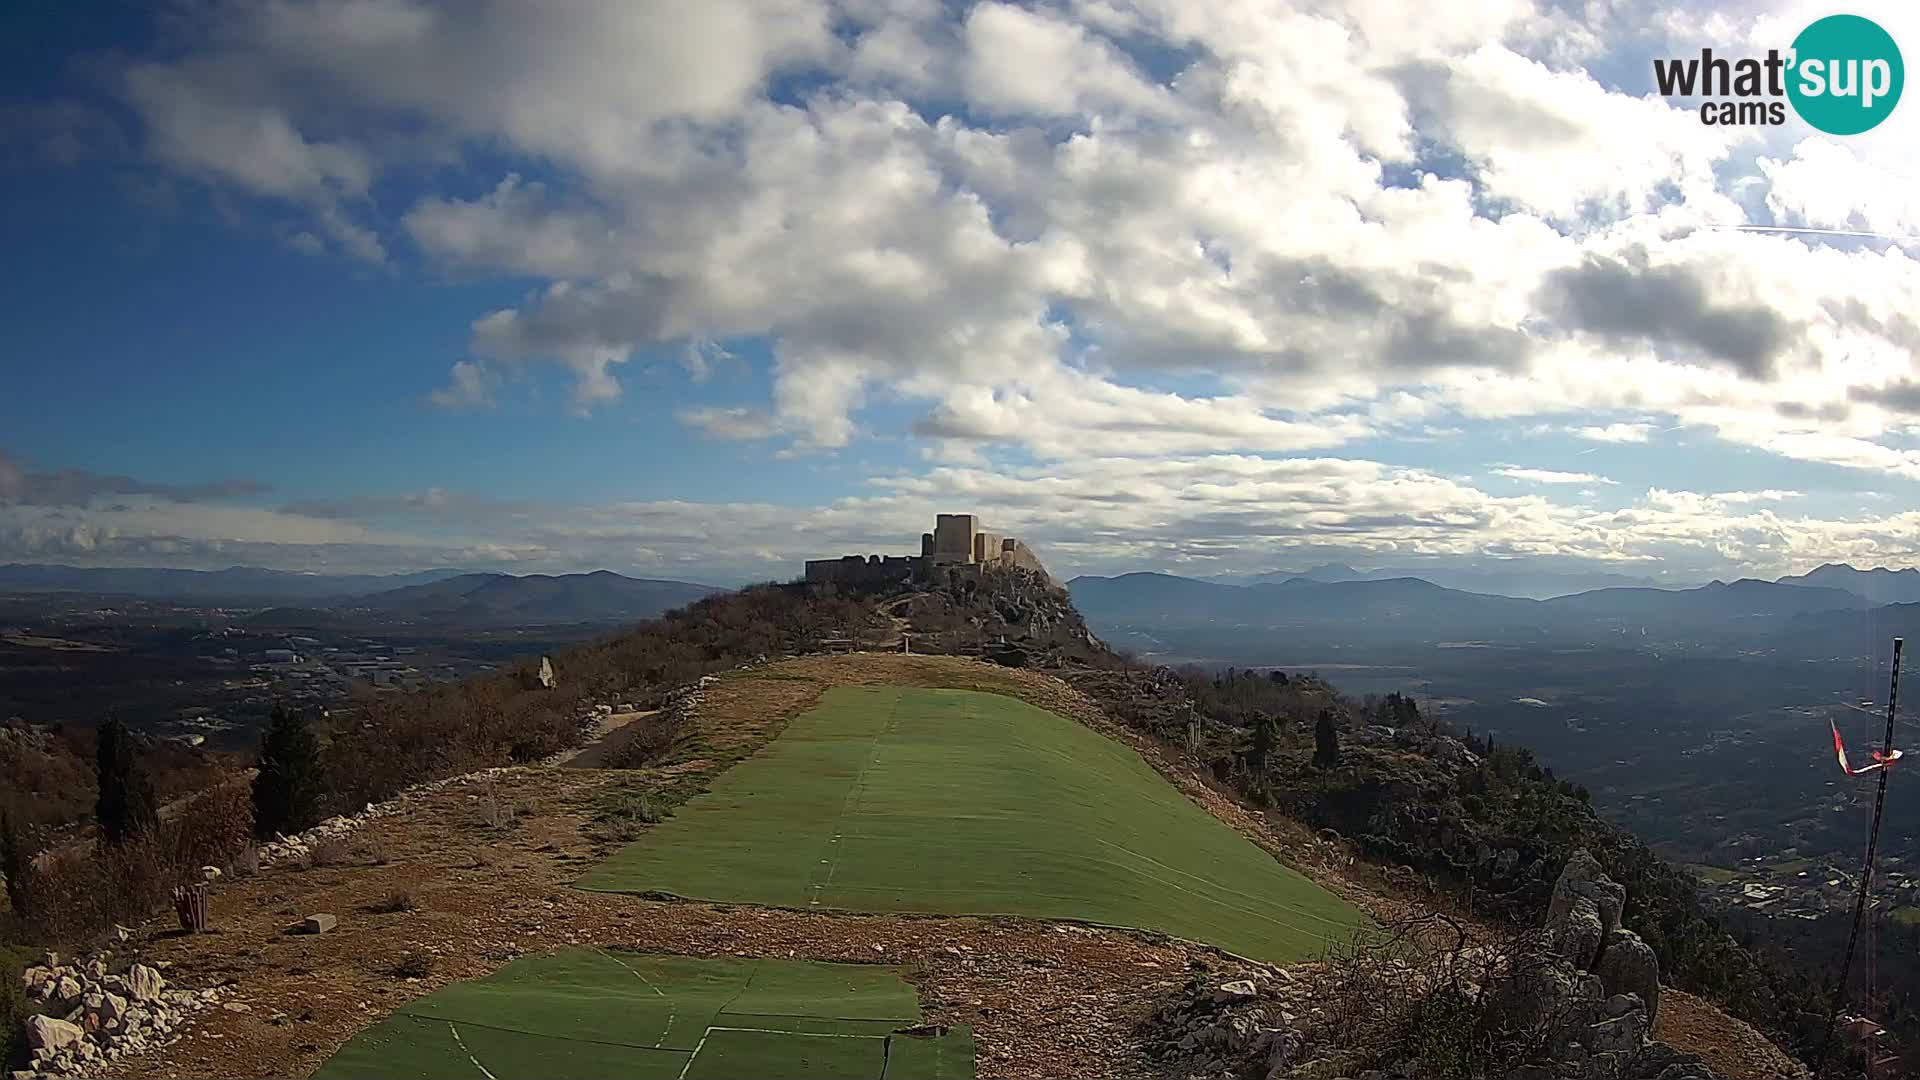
673	1012
853	795
537	1035
463	1049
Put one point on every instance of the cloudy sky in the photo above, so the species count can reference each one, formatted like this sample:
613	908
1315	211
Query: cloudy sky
701	289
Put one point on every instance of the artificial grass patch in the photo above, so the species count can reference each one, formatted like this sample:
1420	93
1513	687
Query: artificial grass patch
600	1013
959	802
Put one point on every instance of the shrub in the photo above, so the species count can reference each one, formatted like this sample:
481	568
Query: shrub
126	804
13	1005
331	851
392	904
290	786
213	828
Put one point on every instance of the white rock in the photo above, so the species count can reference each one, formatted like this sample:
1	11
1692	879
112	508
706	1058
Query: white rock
144	983
46	1033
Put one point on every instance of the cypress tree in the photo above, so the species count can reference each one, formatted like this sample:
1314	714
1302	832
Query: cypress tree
126	804
1326	741
13	863
288	789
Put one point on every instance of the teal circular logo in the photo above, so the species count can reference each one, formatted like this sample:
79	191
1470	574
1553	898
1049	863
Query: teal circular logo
1846	74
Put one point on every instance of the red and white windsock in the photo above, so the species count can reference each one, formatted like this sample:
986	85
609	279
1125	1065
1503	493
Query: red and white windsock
1880	760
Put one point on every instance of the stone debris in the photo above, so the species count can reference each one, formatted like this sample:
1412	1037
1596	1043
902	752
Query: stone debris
1592	995
86	1016
318	923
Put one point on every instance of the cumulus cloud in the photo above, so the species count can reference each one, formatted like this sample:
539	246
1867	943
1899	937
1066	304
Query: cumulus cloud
1206	513
1068	234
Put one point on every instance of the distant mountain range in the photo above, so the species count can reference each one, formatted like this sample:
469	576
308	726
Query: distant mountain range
1406	610
451	597
1878	585
494	599
1497	581
240	585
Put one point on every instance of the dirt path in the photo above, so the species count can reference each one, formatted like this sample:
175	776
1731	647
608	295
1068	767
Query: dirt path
601	743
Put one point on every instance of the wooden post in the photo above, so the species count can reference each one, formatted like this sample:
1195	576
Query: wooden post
190	902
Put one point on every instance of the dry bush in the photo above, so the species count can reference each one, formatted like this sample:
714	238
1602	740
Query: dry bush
213	827
246	863
645	741
392	904
1423	996
332	851
63	893
140	875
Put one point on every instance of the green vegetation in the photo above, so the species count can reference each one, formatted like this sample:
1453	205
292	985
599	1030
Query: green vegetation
1717	874
127	804
1494	825
288	789
950	801
593	1013
1907	916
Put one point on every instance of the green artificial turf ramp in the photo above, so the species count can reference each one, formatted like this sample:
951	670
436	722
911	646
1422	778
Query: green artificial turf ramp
947	1057
958	802
600	1013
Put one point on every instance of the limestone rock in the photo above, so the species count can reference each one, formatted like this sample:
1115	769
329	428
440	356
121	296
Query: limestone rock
1628	966
47	1033
1237	990
67	991
1570	922
144	983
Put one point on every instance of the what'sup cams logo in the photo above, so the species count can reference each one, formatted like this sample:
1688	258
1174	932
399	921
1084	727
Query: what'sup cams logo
1843	75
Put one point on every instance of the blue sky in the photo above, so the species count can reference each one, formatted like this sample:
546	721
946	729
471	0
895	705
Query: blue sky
639	286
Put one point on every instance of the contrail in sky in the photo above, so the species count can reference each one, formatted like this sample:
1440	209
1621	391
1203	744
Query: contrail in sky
1909	238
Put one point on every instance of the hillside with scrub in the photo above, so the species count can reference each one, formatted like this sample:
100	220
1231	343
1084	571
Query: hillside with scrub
1025	825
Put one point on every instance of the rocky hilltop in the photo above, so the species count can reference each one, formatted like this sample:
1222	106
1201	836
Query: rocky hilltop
1575	999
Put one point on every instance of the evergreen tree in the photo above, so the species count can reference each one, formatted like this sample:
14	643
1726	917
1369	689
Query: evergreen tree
289	787
126	804
1265	734
1326	741
13	863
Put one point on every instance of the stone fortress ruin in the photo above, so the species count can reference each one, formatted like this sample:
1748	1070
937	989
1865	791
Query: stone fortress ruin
956	542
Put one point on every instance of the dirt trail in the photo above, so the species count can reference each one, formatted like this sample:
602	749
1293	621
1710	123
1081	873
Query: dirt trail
601	743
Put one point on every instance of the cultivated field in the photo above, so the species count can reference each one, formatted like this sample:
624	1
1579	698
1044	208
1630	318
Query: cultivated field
595	1012
956	802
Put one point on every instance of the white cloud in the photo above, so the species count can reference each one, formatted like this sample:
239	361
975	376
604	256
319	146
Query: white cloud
1549	476
1616	433
1072	233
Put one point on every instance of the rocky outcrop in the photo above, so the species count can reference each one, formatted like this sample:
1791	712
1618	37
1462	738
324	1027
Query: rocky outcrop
1574	1001
85	1016
1584	910
1628	966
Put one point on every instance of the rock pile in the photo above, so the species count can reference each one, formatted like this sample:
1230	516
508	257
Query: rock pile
281	847
1575	1002
1232	1029
83	1017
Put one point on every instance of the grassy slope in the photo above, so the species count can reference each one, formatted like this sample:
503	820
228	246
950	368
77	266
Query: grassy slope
591	1013
948	801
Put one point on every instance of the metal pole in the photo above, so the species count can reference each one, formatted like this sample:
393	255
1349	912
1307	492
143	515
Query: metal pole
1866	873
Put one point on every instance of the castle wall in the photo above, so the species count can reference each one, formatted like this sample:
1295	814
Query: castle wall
953	537
956	540
862	570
